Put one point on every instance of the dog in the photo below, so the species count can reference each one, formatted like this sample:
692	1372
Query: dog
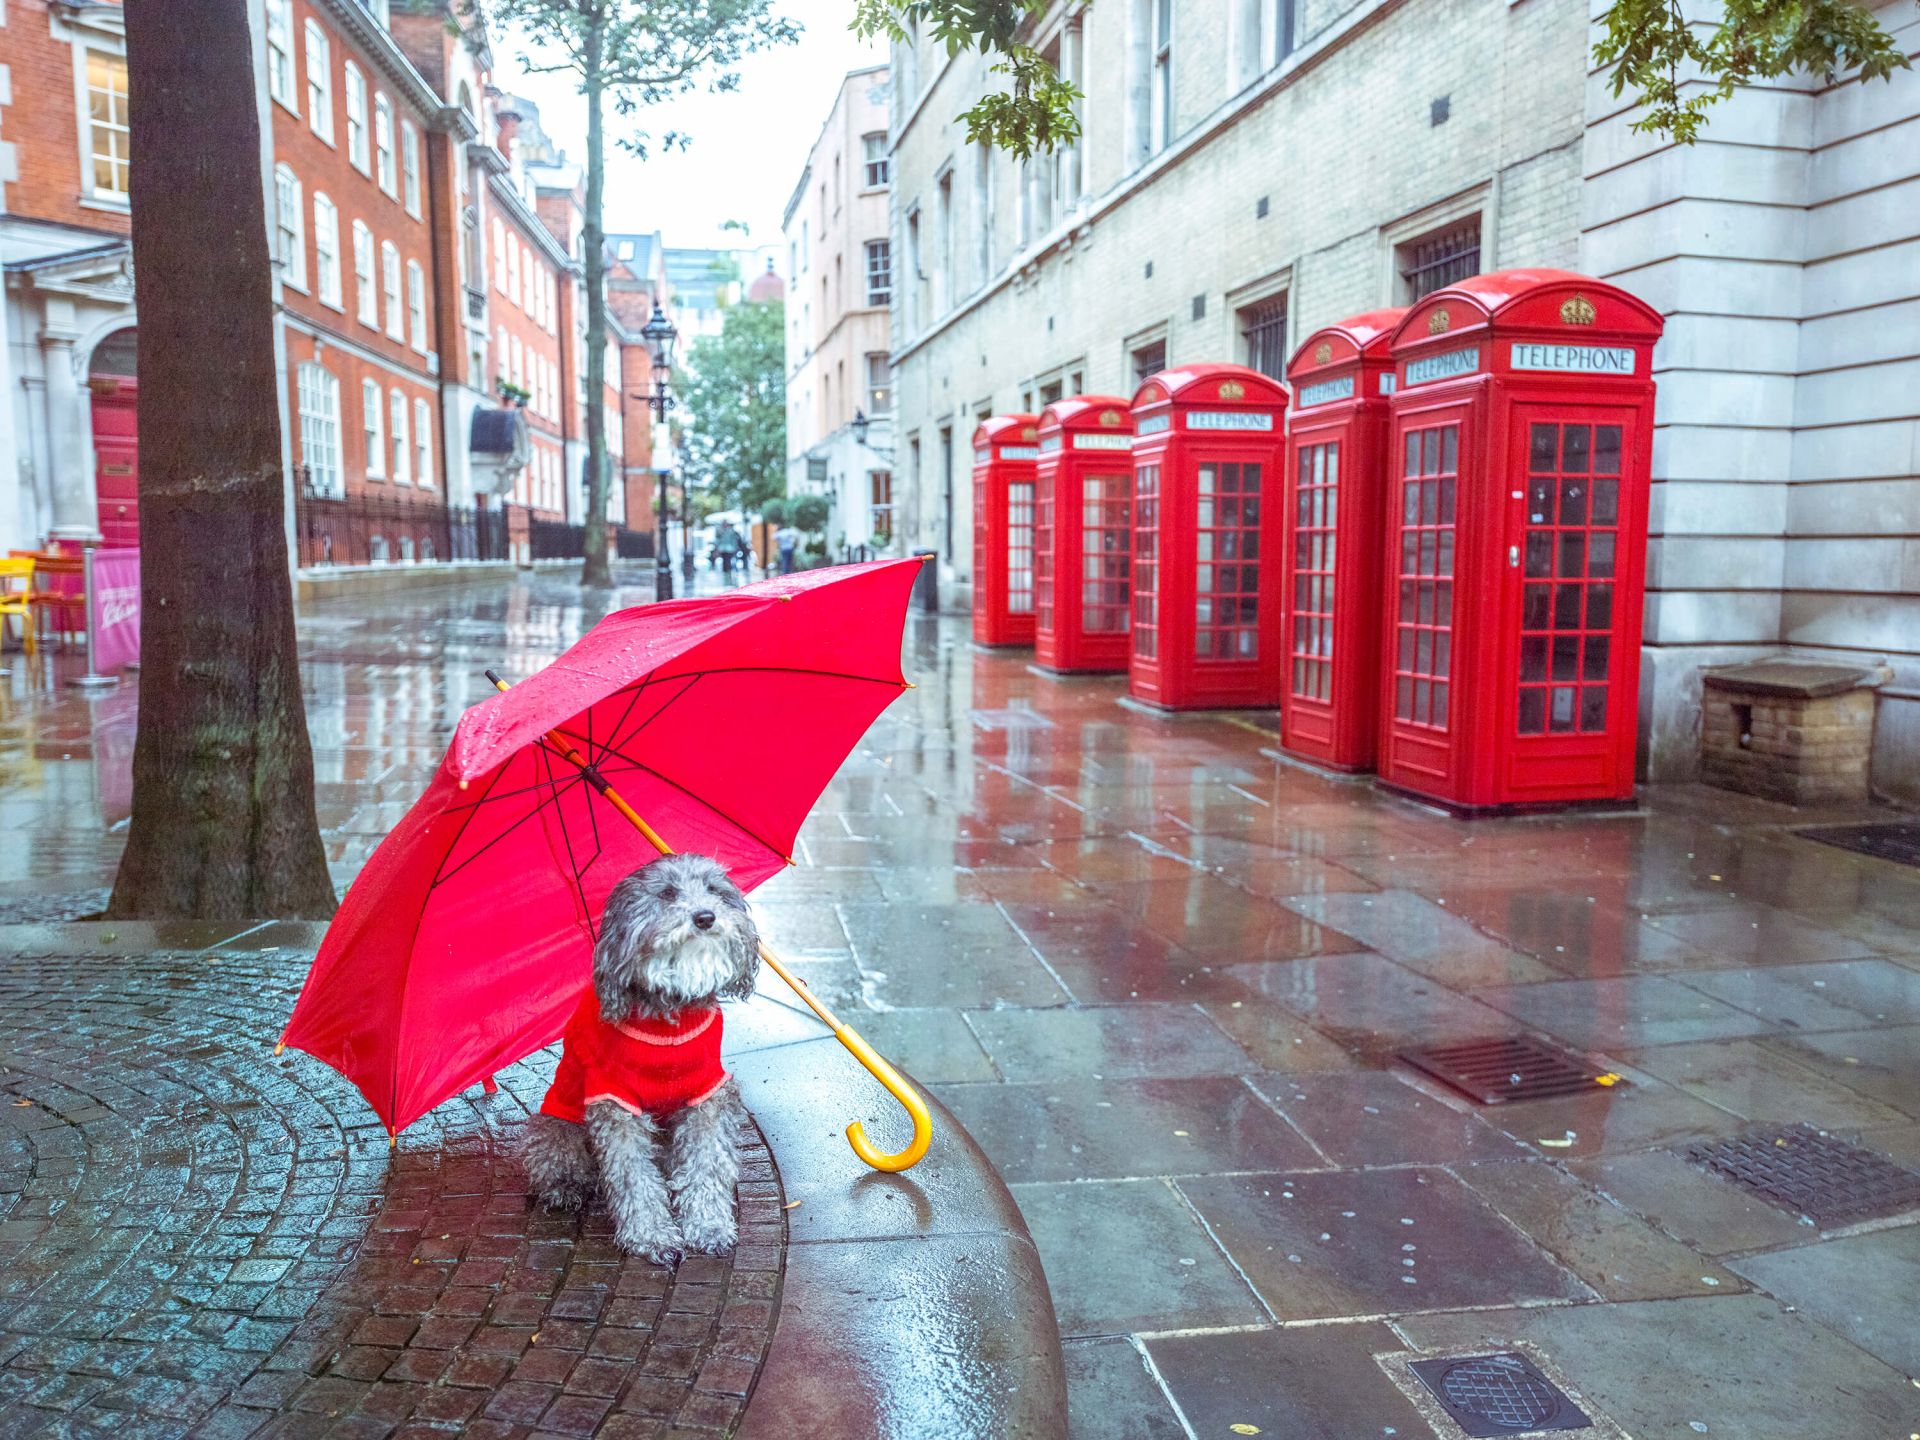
640	1107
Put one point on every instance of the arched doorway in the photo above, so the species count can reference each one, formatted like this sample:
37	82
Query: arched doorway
112	377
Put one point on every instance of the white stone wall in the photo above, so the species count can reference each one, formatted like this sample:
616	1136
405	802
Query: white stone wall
1784	248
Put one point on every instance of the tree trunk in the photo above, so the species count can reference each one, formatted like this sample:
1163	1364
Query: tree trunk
223	821
594	569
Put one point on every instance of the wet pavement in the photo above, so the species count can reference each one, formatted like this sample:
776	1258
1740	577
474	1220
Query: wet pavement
1162	976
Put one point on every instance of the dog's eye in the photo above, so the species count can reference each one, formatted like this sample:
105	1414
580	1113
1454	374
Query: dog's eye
669	893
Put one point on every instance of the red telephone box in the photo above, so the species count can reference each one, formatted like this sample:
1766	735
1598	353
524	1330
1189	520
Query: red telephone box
1083	534
1522	430
1004	449
1209	441
1336	501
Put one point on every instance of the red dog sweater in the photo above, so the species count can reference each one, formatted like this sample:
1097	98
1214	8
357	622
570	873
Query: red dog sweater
651	1067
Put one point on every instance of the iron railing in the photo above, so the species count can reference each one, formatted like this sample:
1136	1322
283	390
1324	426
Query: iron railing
399	529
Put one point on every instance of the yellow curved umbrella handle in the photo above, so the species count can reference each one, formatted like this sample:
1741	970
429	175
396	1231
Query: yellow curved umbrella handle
875	1063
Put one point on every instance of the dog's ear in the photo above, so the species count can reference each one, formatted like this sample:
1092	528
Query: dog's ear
746	964
622	926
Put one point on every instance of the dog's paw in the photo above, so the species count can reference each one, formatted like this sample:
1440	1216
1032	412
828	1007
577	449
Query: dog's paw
711	1237
658	1247
563	1197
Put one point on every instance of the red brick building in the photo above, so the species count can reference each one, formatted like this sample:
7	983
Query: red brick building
429	309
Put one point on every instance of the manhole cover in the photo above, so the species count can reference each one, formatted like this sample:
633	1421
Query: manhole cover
1499	1395
1508	1068
1800	1169
1898	841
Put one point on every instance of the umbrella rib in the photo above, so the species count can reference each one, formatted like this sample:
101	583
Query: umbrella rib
634	765
779	670
615	737
566	838
554	799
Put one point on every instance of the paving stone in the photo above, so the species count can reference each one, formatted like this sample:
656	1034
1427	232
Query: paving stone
1364	1119
1368	1003
1760	1083
1424	937
1111	1393
1751	1370
1114	1041
1859	1285
1125	1255
1688	1203
1881	1064
1835	995
1115	1129
917	955
1317	1381
1624	1013
1274	1038
1759	937
1340	1244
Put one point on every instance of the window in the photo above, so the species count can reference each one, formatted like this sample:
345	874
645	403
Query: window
499	256
319	82
383	142
410	165
877	163
107	148
366	301
1162	100
422	443
1019	547
943	266
1438	259
326	250
390	285
1265	327
916	274
879	384
1286	19
357	118
1316	498
280	53
879	272
290	227
1144	583
983	212
1422	659
373	422
1106	535
1227	576
513	269
416	306
402	450
500	366
1149	360
320	427
880	504
519	361
1573	530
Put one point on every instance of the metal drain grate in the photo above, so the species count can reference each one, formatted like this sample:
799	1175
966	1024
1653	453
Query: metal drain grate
1798	1168
1508	1068
1499	1395
1898	841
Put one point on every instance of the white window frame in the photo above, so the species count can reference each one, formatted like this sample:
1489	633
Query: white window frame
290	227
422	444
366	286
397	432
390	289
867	250
356	103
383	143
416	306
280	79
499	255
513	270
373	426
326	251
319	80
319	403
119	154
1160	98
410	166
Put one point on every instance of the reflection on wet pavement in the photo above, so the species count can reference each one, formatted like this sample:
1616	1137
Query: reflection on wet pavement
1161	975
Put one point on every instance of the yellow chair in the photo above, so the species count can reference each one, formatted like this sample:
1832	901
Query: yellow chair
18	601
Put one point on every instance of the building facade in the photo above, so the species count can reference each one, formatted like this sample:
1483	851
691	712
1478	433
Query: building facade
1250	171
839	258
414	274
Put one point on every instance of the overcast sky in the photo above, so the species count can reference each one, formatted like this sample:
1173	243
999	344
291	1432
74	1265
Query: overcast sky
747	146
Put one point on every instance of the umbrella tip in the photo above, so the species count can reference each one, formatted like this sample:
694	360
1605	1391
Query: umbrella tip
393	1140
280	1047
908	685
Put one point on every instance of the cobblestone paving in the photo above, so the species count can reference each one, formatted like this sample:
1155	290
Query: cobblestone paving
197	1237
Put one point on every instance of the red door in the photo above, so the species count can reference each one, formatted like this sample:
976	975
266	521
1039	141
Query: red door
116	463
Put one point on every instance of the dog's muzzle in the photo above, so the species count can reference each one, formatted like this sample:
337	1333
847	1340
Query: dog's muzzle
703	919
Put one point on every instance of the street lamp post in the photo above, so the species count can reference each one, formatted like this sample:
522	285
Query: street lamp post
659	333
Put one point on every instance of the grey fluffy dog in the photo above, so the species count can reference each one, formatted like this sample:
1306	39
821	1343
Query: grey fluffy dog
676	937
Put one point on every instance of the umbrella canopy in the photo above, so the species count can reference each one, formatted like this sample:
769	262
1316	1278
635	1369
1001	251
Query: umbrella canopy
465	942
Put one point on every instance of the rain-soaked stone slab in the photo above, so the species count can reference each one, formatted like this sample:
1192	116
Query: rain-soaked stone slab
1638	1115
1837	995
1733	1365
919	955
1689	1204
1881	1064
1623	1013
1128	1255
1760	938
1274	1038
1424	937
1114	1129
1319	1381
1108	1040
1373	1242
1110	1393
1860	1285
1367	1001
1375	1119
933	1045
1759	1083
1612	1250
1584	930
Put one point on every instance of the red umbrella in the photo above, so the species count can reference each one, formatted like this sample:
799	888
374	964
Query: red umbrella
464	944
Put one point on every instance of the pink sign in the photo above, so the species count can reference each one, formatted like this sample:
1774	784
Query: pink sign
115	601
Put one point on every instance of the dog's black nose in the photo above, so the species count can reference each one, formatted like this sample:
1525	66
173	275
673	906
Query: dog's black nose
703	919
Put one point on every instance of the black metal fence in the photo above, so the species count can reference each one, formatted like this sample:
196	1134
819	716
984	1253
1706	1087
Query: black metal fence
368	529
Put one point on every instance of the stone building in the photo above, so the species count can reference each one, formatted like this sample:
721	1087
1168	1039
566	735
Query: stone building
411	254
1253	169
839	255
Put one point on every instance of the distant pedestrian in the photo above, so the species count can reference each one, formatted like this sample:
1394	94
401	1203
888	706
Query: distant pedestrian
786	540
730	546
